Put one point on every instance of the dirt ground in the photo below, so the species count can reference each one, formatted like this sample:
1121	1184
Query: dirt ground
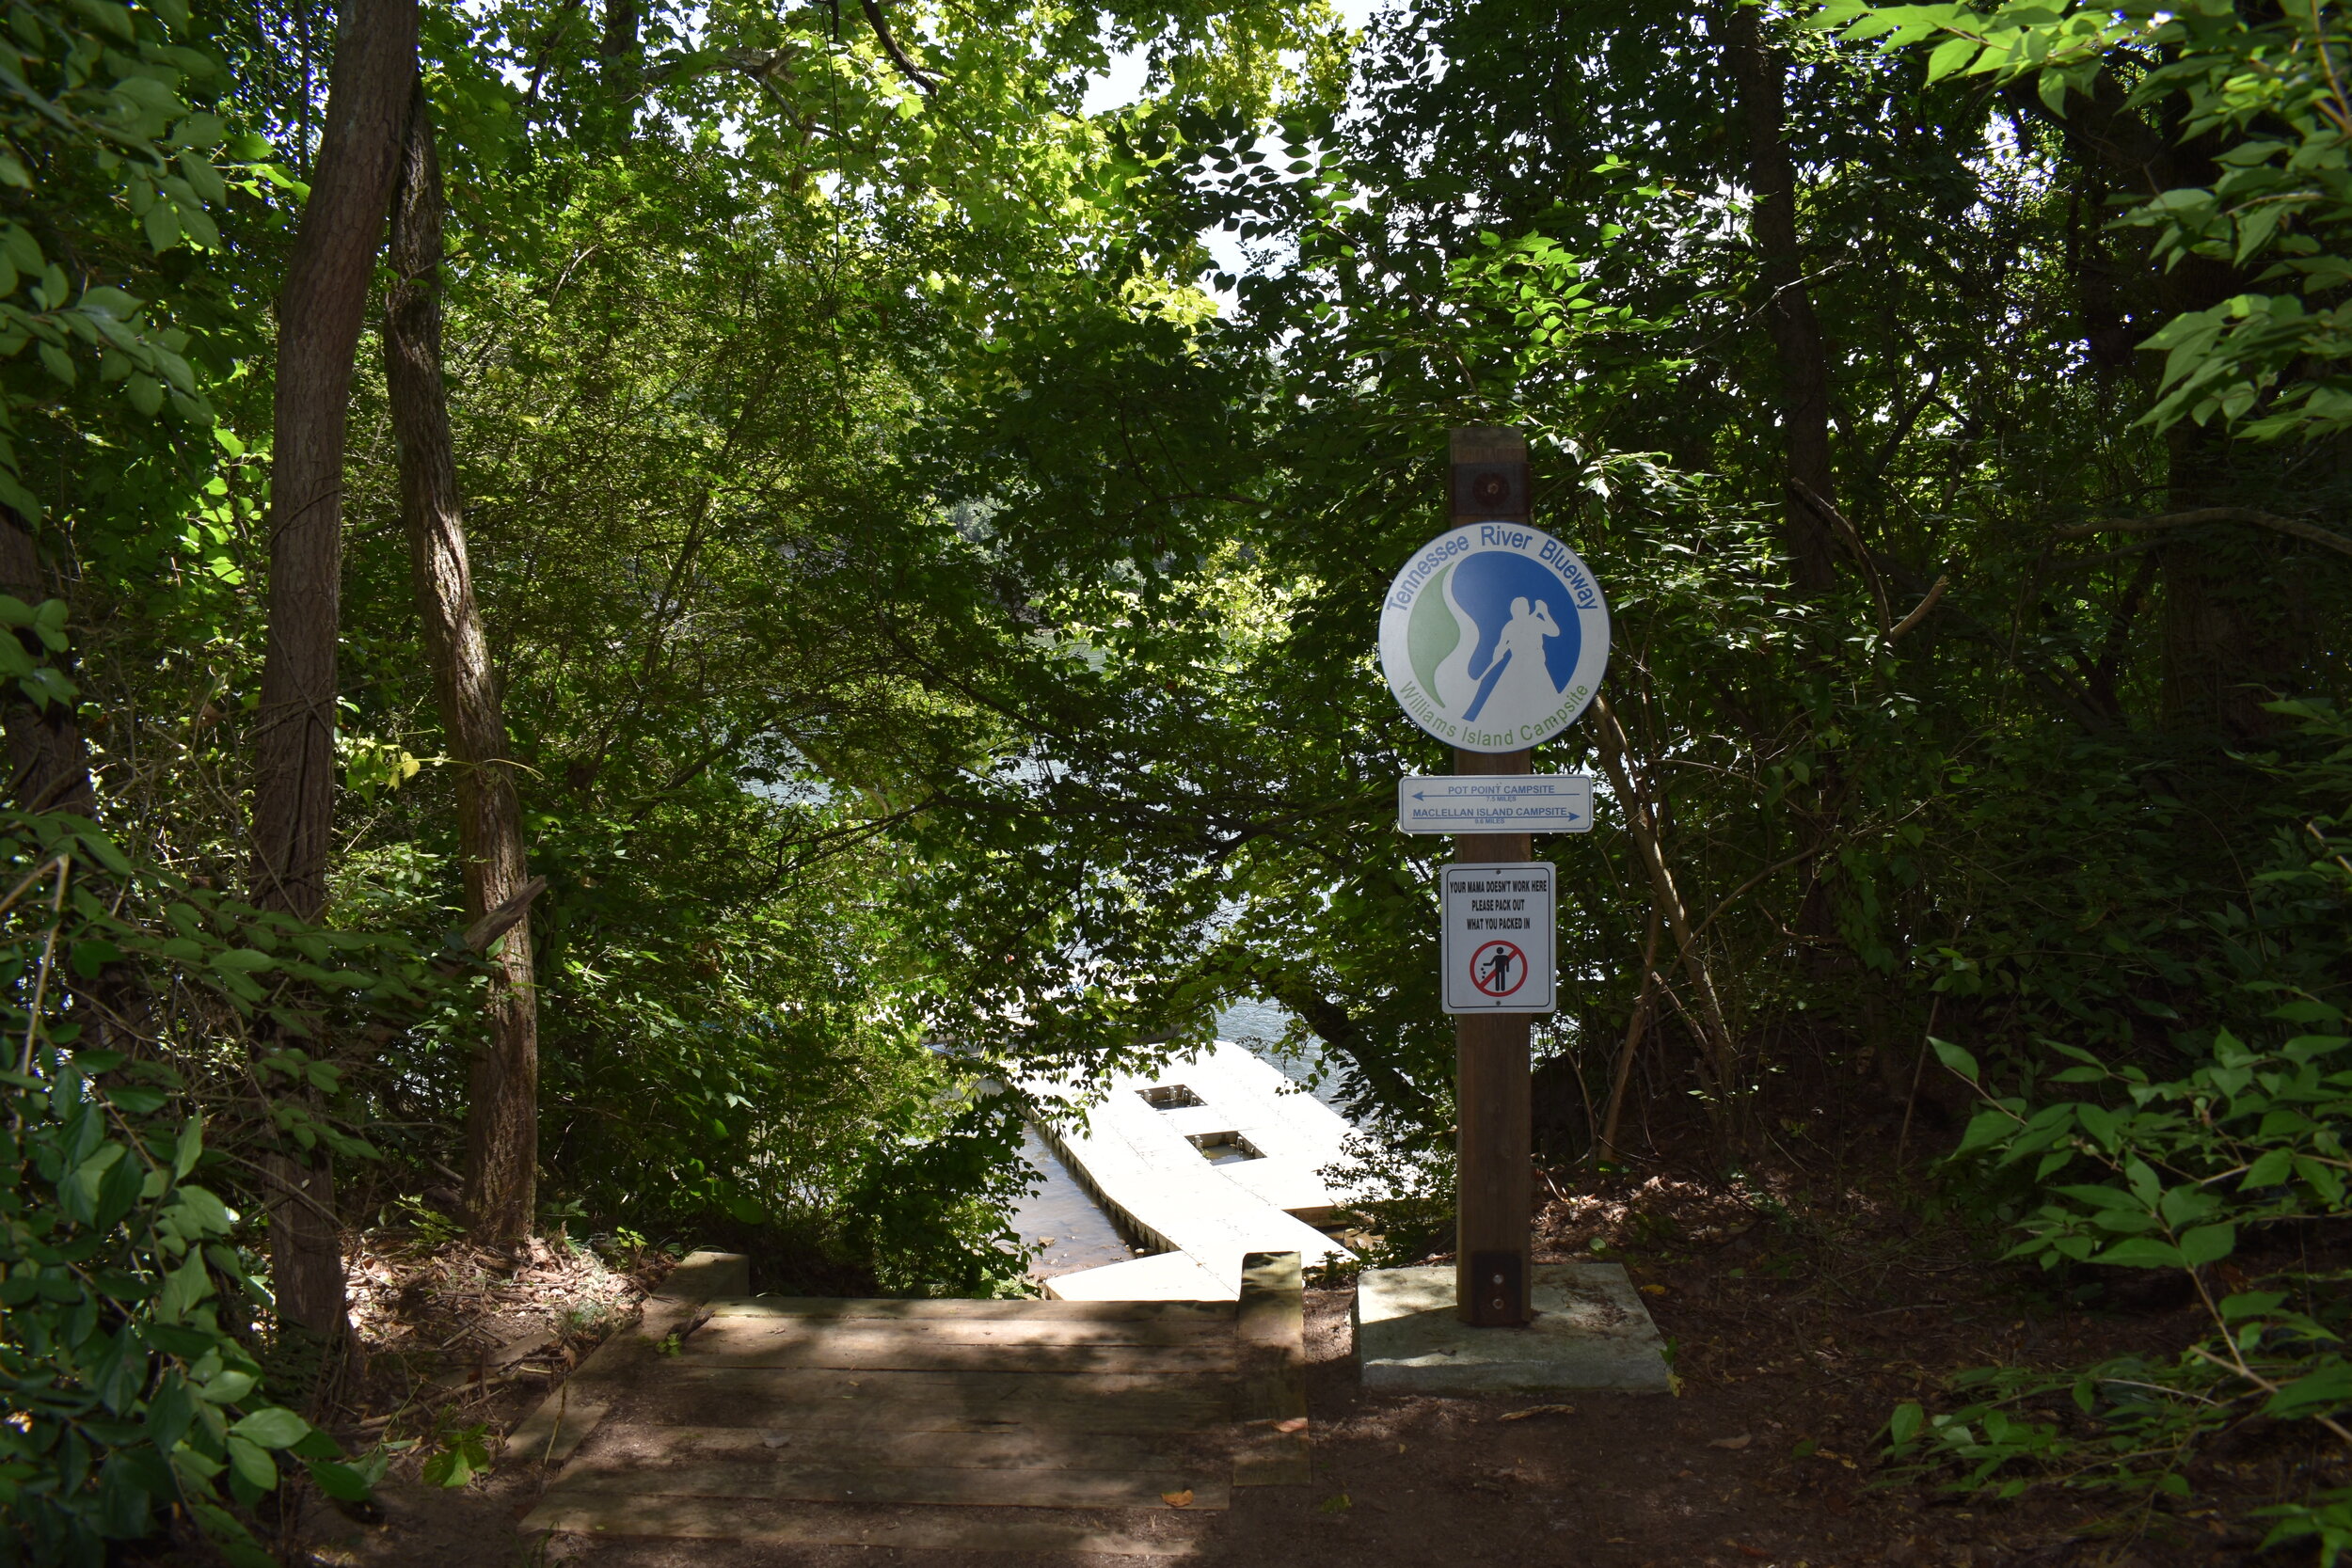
1799	1315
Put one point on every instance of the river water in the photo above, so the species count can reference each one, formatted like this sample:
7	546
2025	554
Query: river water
1070	1228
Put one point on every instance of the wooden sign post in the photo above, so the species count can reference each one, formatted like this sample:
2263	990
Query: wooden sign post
1494	1137
1494	637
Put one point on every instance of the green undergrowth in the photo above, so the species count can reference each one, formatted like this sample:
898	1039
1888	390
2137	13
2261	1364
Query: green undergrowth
2230	1171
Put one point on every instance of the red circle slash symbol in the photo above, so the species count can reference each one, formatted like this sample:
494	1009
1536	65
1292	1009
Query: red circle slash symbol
1498	968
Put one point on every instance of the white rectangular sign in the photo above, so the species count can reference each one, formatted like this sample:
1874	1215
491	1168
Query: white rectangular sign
1498	945
1496	803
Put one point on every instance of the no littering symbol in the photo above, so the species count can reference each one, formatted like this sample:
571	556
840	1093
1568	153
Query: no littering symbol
1498	968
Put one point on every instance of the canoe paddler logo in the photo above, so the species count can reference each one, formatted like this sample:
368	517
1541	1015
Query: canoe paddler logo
1494	637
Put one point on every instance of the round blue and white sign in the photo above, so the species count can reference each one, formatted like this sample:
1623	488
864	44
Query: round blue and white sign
1494	637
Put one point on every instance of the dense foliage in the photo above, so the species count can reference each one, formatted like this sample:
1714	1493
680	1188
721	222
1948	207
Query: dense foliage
932	597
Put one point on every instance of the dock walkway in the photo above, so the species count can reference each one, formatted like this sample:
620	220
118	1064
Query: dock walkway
1119	1427
1203	1161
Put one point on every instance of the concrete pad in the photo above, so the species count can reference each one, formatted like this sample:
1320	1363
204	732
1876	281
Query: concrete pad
1162	1277
1591	1331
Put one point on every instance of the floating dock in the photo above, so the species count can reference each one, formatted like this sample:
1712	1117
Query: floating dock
1210	1157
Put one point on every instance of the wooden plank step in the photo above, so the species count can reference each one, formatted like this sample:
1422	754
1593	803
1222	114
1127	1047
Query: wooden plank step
797	1328
828	1384
568	1425
1160	1533
707	1396
899	1353
1040	1311
622	1444
568	1415
1272	1332
818	1480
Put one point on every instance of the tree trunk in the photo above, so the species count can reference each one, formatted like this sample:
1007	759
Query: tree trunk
2227	642
320	312
1803	362
48	762
1720	1065
503	1117
2227	624
1334	1026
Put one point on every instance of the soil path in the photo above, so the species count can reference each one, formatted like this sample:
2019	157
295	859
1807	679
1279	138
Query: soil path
1765	1458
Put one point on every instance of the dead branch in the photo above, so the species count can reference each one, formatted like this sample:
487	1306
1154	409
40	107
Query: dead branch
1920	613
2250	517
890	47
504	918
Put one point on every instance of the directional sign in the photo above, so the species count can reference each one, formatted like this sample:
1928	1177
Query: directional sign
1496	951
1496	803
1494	637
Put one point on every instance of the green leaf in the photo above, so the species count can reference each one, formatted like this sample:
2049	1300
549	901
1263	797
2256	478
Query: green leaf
1954	1057
183	1287
23	249
251	1462
169	1411
1904	1424
2323	1178
1985	1129
2099	1197
227	1388
2315	1394
2101	1124
1950	56
449	1468
272	1428
2143	1252
162	224
2050	87
340	1480
2184	1203
316	1445
205	1211
2271	1170
2208	1243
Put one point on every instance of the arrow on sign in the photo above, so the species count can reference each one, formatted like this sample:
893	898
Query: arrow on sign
1504	803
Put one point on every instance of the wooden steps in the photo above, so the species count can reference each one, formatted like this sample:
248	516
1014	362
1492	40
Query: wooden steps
1033	1427
1023	1531
924	1348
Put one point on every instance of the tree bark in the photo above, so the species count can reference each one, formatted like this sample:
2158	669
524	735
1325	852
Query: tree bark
320	311
502	1116
1803	361
1720	1051
1345	1035
2227	626
1811	521
1634	1028
2227	640
48	762
621	62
